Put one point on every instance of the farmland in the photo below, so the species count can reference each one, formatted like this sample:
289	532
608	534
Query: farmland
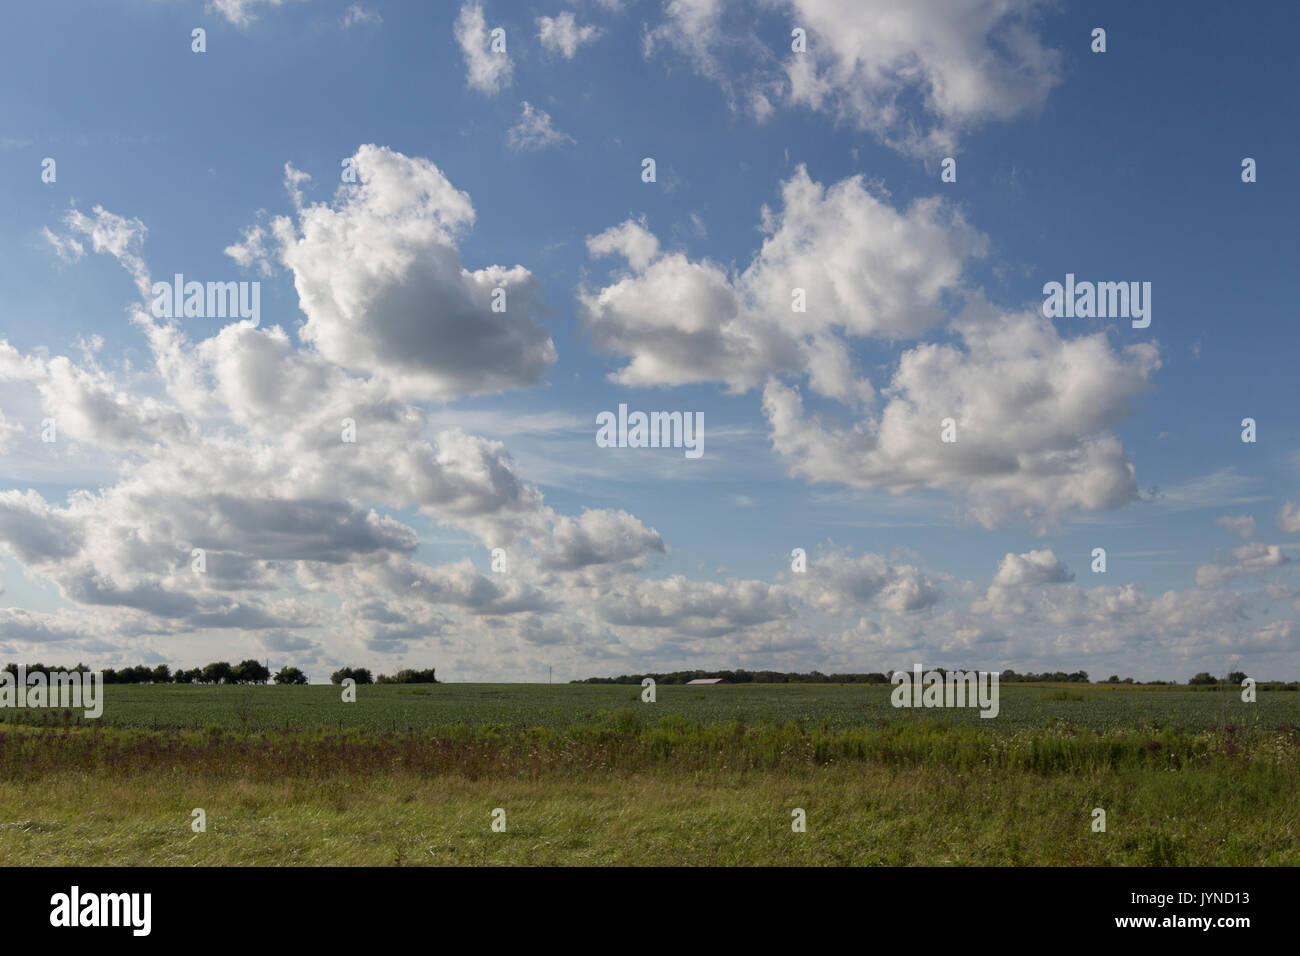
558	706
588	774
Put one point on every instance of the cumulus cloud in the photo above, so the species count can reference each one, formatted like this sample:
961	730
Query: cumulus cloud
867	58
598	537
87	404
35	629
561	34
1033	567
486	71
1030	411
701	608
864	268
916	75
838	583
233	446
1253	558
380	280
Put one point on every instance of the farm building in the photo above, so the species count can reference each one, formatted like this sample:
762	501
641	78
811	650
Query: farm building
707	680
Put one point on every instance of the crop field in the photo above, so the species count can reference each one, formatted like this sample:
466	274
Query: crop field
507	707
590	775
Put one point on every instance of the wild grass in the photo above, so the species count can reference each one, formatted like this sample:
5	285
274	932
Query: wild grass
631	788
626	741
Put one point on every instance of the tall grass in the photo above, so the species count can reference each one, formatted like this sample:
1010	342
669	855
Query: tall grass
625	742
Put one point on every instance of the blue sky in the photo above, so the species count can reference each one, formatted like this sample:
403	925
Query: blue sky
1115	166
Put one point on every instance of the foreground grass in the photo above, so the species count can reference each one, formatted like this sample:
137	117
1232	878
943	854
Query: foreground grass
671	793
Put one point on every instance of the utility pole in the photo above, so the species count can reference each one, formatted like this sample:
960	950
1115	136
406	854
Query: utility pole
548	673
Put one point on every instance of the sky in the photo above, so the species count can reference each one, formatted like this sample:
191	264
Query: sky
461	259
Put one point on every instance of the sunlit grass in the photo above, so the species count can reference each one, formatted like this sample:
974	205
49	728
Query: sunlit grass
631	791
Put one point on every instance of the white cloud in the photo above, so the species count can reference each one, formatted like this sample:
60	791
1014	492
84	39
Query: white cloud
1288	519
700	608
379	277
968	65
561	34
1033	567
356	15
486	71
108	233
599	538
1253	558
869	61
254	252
65	247
1030	410
7	429
865	269
837	583
534	131
240	12
696	29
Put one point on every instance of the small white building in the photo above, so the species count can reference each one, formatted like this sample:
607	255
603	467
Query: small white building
707	680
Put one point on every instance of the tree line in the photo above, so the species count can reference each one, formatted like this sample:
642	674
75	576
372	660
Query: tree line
362	675
1007	676
218	672
223	672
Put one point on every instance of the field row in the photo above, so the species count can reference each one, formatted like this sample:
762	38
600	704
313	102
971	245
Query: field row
557	706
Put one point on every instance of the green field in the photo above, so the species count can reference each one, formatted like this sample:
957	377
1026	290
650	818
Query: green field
555	706
588	774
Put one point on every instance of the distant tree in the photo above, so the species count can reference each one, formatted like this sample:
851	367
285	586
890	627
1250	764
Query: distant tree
249	672
1203	678
218	672
359	674
1112	679
408	676
290	675
1236	677
182	676
162	674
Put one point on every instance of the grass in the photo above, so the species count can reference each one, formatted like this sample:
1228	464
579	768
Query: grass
628	788
588	774
856	814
